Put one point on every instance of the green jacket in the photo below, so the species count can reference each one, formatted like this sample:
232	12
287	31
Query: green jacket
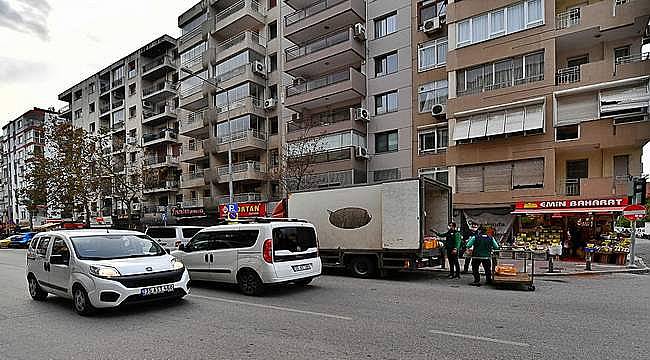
483	245
452	239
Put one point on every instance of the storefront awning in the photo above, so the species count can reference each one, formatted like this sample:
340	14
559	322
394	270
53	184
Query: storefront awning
571	211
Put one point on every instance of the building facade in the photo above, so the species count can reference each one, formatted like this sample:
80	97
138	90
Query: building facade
132	105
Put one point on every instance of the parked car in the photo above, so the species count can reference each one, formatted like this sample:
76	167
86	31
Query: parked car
253	255
4	243
170	237
22	240
103	268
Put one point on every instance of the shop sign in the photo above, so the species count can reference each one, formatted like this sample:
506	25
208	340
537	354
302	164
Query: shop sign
181	213
634	212
245	210
572	204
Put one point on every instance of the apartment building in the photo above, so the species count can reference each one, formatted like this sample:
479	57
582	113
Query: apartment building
132	105
21	138
548	99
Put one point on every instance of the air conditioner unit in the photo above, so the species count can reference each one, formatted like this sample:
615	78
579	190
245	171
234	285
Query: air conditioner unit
438	109
430	26
259	68
362	153
270	104
359	31
131	140
147	105
360	114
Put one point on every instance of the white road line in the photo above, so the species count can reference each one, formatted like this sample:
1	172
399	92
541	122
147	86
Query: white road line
481	338
272	307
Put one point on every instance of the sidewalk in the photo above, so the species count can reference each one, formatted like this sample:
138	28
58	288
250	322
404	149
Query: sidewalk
560	268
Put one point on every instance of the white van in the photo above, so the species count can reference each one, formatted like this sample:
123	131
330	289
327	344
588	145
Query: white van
171	237
254	255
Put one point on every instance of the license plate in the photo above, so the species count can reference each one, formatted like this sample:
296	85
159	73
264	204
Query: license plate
157	290
301	267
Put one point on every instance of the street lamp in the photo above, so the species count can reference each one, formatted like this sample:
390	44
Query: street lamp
219	88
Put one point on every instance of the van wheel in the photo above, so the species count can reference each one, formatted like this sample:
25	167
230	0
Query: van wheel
362	267
303	282
35	290
80	302
249	283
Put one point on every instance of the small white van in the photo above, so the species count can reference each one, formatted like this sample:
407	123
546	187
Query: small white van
171	237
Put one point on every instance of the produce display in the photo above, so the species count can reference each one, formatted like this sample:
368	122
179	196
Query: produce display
538	239
611	243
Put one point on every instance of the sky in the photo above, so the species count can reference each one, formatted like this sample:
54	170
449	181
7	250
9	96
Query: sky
50	45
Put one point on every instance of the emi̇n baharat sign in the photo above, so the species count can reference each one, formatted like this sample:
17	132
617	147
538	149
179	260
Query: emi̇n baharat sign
572	204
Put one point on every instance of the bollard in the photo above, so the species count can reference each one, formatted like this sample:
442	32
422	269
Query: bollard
588	261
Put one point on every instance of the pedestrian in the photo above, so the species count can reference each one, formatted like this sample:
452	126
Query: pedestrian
482	245
452	248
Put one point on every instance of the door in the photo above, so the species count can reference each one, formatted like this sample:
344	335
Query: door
577	61
575	170
196	257
59	266
39	267
621	168
223	257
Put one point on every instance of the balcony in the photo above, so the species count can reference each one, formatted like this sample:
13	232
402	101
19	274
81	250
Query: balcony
193	98
567	19
246	197
602	16
248	170
241	141
159	91
245	14
198	34
192	125
309	20
626	67
158	67
161	186
195	64
117	82
104	86
159	115
193	203
319	124
567	75
192	152
118	126
326	90
236	76
234	45
159	137
317	56
239	107
592	187
117	104
192	180
158	161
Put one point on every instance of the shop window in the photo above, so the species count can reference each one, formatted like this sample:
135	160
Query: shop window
568	132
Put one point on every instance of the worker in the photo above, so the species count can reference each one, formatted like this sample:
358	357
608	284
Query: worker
482	245
452	248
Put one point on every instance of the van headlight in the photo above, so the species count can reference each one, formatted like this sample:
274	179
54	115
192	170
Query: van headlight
177	264
104	271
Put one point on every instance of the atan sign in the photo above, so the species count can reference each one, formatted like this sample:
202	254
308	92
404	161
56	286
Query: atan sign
257	209
572	204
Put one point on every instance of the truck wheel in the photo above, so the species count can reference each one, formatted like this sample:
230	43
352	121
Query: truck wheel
362	267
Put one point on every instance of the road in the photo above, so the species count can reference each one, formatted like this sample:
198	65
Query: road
410	316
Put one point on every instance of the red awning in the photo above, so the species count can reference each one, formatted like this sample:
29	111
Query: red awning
570	211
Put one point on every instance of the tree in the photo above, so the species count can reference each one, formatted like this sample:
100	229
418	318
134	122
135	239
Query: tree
34	193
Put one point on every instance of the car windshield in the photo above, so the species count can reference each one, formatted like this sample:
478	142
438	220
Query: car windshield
113	246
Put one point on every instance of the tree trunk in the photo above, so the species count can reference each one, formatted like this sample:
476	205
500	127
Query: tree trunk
31	221
87	211
128	214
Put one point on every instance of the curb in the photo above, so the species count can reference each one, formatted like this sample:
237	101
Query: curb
644	270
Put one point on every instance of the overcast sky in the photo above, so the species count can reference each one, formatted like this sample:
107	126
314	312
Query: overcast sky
50	45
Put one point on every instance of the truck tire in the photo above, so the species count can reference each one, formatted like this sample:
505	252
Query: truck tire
362	267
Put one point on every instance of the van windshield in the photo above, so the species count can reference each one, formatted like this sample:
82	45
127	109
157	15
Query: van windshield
294	239
162	233
103	247
189	232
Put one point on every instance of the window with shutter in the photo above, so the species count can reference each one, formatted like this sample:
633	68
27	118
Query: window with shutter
497	177
624	100
496	123
574	109
469	179
528	173
477	126
514	120
461	130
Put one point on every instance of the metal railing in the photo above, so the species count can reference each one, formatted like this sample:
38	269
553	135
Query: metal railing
117	82
191	118
159	135
198	174
238	39
155	160
158	87
633	58
567	19
254	5
239	167
569	187
191	91
310	10
157	62
320	119
317	44
118	125
239	70
158	111
118	103
567	75
165	184
245	197
240	135
320	82
235	104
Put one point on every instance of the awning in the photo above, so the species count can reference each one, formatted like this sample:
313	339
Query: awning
570	211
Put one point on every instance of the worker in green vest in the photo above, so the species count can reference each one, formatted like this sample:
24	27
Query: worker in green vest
482	245
452	247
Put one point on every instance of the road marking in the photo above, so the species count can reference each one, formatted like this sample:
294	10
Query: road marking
481	338
272	307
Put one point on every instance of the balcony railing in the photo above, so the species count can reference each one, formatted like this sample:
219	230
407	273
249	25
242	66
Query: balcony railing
104	86
318	83
157	62
238	39
568	75
158	111
246	197
309	11
567	19
117	82
191	118
241	167
634	58
160	135
240	135
317	44
254	5
239	70
192	203
196	60
118	103
165	184
255	102
191	91
155	160
157	87
570	187
321	119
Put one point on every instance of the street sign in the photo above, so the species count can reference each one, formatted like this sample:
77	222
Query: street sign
634	212
233	211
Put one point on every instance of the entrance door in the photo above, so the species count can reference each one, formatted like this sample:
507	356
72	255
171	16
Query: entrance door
575	170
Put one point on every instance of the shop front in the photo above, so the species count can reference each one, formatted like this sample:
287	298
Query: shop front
571	228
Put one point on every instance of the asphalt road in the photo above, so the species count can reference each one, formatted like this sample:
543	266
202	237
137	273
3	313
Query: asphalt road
410	316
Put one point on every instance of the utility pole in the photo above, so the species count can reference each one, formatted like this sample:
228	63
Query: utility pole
638	197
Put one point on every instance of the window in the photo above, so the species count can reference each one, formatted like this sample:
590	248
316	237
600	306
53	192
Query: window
194	23
503	176
132	155
528	119
188	233
623	51
60	248
91	108
432	54
131	89
433	140
577	169
78	114
91	127
577	60
273	62
436	173
293	239
500	22
273	125
91	88
385	25
568	132
133	69
386	103
430	9
386	142
386	64
132	111
621	167
273	30
431	94
42	246
118	116
273	91
273	3
78	94
385	175
329	142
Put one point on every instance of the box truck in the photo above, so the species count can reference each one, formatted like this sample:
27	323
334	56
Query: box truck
371	229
